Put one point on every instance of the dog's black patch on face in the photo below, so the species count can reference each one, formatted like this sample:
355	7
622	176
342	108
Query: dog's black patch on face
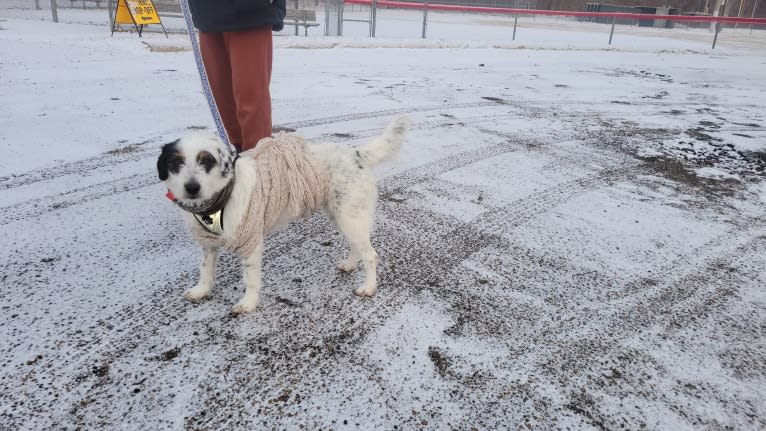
170	160
175	162
206	160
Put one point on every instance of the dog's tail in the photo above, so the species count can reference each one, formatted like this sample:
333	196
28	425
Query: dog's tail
386	145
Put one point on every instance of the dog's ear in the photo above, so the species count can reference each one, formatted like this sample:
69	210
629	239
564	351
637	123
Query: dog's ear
164	158
227	157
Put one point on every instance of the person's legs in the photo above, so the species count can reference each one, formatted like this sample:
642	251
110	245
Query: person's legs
215	56
250	56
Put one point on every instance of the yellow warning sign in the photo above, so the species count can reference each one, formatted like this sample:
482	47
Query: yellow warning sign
137	12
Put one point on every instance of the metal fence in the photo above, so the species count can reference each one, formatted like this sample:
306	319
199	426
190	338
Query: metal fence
29	9
386	19
656	23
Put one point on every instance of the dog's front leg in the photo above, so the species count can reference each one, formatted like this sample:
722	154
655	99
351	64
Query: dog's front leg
252	295
206	276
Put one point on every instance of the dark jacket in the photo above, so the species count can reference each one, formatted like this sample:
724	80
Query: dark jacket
236	15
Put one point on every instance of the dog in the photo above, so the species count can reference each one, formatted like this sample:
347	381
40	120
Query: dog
232	201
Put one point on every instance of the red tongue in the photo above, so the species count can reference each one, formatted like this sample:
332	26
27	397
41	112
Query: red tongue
170	196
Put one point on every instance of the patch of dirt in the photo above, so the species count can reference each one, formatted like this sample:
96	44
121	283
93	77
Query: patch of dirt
642	74
132	148
706	150
679	172
584	405
660	95
170	354
440	360
153	47
494	99
101	370
677	157
457	328
286	301
745	361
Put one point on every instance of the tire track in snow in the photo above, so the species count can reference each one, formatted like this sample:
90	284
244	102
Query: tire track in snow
143	150
135	152
389	113
674	305
39	206
503	220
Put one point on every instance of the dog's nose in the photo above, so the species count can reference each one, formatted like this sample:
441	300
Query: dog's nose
192	188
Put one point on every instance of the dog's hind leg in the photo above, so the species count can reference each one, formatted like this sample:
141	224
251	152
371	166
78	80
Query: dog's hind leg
252	295
206	276
356	229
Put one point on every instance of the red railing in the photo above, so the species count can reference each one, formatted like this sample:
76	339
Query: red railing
512	11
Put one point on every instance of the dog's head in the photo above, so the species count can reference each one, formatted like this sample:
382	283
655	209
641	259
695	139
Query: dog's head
196	169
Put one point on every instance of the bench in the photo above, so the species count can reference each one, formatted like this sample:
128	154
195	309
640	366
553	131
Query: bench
306	18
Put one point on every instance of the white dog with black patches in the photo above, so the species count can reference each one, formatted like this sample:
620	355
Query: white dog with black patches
233	201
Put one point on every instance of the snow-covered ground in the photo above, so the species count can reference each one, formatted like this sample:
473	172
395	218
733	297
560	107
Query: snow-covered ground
573	237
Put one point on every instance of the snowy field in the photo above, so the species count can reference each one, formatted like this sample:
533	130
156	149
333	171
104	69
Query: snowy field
572	238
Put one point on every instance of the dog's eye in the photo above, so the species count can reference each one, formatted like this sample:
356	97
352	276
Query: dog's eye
175	163
207	161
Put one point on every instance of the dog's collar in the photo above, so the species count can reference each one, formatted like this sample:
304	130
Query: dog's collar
212	218
220	200
212	222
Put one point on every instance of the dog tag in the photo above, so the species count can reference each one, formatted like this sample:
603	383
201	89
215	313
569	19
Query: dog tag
212	223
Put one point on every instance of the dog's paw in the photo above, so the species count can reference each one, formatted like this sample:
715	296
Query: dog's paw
366	290
196	294
346	265
243	306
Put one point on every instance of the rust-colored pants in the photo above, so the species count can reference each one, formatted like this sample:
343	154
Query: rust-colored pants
238	66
